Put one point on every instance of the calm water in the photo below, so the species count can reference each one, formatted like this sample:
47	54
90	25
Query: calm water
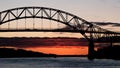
60	62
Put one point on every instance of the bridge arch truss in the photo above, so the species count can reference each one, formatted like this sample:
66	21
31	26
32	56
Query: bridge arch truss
89	30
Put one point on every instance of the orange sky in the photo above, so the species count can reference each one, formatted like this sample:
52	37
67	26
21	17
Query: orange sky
62	50
59	46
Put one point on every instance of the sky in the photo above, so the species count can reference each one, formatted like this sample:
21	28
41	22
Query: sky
90	10
59	46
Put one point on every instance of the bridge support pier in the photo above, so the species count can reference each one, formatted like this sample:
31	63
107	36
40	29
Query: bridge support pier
91	52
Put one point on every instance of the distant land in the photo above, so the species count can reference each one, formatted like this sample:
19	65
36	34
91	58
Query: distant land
21	53
11	53
111	52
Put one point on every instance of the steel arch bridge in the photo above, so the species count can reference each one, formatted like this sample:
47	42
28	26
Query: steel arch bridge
76	24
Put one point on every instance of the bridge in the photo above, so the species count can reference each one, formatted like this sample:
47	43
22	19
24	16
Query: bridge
64	22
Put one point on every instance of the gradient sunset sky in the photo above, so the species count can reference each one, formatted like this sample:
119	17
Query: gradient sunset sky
90	10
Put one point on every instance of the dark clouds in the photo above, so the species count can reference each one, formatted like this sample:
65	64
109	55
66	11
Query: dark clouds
37	42
106	24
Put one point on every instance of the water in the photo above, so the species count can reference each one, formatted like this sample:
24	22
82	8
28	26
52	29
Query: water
60	62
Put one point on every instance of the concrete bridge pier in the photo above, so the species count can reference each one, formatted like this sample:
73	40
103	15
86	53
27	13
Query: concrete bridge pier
91	52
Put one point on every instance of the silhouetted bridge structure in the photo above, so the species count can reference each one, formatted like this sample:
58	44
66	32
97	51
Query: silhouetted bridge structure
65	22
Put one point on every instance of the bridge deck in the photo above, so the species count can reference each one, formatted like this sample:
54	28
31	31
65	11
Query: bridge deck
57	30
